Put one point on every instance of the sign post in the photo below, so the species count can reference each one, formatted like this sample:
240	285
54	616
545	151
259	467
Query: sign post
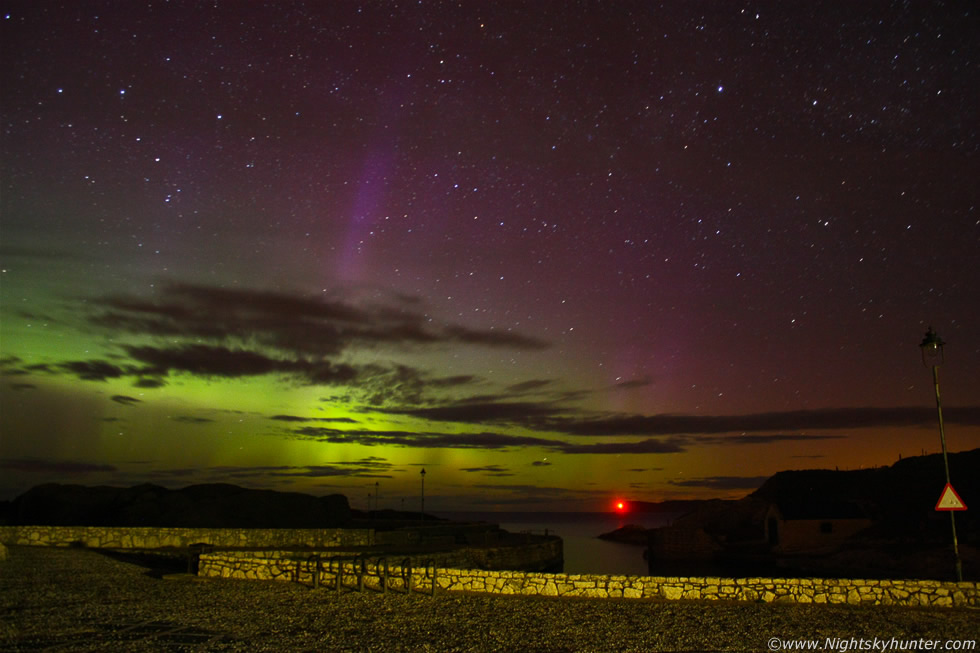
932	356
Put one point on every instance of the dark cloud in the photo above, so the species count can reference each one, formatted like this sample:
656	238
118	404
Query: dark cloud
297	418
303	324
482	440
649	445
552	416
489	470
149	383
722	482
34	465
801	420
519	412
219	361
424	440
321	471
22	386
206	360
453	381
370	467
94	370
236	333
126	400
766	438
187	419
528	386
540	463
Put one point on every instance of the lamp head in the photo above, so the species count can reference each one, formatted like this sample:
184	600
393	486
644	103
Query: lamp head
932	349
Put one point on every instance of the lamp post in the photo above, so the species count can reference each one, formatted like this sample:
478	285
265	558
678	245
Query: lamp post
422	511
932	356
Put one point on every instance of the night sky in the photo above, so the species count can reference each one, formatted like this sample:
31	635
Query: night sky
553	253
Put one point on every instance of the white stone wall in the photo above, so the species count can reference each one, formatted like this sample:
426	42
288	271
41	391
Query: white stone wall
769	590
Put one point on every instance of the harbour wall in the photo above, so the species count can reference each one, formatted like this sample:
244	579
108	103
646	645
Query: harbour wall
477	569
463	546
428	575
139	537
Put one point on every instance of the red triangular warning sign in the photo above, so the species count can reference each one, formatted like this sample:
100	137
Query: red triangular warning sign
950	500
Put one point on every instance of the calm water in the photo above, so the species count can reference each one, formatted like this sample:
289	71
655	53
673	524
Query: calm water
584	552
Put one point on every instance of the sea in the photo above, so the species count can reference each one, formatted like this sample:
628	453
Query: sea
584	552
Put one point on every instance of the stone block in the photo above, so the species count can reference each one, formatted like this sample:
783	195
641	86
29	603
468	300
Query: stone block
673	592
632	593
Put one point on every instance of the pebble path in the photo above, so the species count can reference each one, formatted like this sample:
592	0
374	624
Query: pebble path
83	600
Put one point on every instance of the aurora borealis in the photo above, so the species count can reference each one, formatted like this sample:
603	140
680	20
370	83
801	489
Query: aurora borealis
552	253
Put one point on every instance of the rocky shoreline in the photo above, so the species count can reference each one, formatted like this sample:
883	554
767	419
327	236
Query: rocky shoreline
77	599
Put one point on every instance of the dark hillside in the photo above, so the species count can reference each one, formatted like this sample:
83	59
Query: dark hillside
900	498
195	506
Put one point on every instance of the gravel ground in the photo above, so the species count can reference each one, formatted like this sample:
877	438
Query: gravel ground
81	600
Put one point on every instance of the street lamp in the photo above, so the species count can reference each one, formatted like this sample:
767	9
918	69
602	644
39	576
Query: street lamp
932	356
422	512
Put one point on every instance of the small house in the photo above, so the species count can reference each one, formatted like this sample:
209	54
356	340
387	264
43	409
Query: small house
812	525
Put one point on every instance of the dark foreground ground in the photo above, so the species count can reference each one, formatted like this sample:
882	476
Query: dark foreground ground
79	600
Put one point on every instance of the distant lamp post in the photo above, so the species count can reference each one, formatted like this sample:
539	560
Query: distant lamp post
422	511
932	356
